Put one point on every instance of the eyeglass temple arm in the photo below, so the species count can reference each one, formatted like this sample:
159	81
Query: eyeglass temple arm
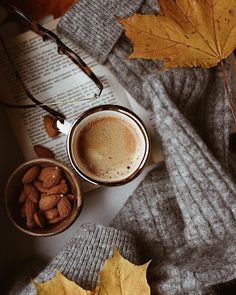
62	48
30	96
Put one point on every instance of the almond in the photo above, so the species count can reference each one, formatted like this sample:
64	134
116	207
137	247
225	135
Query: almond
70	197
55	220
43	152
44	173
31	174
39	186
30	209
39	219
22	211
30	224
50	176
48	202
22	197
64	207
60	189
49	126
31	193
52	213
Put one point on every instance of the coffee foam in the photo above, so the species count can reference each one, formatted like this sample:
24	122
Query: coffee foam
108	148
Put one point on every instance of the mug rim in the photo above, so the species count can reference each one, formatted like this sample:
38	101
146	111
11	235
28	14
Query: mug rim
125	111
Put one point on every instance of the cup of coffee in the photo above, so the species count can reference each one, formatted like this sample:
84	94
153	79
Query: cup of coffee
107	145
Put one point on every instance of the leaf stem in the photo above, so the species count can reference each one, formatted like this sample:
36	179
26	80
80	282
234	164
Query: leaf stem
226	85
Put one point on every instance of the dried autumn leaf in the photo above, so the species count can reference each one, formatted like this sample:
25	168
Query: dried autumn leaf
39	8
118	277
59	285
186	33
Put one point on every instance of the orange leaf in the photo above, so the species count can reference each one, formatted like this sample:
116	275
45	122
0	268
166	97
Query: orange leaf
187	33
37	9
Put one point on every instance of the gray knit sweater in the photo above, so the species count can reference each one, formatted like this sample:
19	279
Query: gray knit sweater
183	215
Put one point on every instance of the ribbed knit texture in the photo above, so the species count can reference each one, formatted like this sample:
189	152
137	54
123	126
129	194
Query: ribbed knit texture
83	257
182	216
98	25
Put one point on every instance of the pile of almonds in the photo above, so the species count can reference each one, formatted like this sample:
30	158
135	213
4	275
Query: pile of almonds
45	198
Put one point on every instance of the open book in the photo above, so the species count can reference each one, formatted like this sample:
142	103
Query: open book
55	80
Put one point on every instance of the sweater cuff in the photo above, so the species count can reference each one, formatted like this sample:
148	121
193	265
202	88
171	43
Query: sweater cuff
92	24
82	259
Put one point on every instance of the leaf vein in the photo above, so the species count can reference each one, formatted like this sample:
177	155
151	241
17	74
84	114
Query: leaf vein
175	41
211	48
226	39
214	26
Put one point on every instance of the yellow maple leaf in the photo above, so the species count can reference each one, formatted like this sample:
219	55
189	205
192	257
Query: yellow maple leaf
118	277
60	285
187	33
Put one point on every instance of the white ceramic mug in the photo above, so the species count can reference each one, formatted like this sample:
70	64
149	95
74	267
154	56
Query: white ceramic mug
116	175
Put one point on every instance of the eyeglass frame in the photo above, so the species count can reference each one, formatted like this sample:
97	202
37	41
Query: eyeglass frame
61	48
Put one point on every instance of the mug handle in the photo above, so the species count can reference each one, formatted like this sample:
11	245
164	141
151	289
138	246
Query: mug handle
63	127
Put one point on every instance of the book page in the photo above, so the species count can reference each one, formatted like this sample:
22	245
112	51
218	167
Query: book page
54	80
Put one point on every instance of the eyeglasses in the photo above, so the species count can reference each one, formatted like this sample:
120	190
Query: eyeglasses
61	48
